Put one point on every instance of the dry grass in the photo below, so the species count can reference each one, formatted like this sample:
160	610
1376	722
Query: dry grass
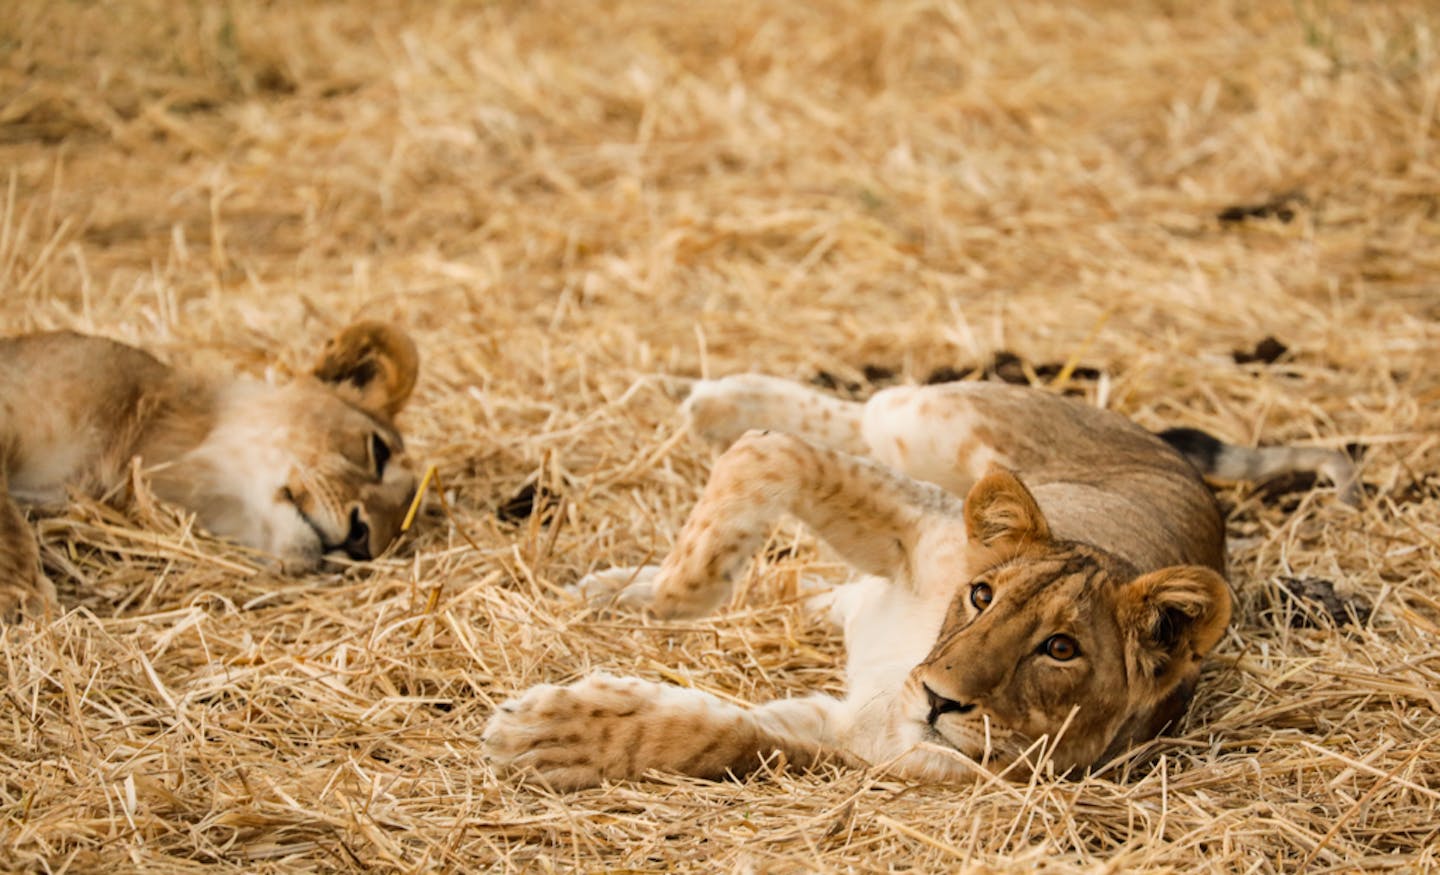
565	200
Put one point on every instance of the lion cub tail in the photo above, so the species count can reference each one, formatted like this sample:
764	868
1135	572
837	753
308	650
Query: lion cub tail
1222	461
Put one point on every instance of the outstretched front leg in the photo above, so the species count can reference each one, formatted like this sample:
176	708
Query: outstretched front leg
605	727
877	519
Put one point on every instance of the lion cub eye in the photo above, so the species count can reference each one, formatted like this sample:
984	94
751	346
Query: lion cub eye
1061	648
981	595
379	454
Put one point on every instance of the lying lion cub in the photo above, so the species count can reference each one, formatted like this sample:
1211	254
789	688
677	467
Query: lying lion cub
295	471
1062	610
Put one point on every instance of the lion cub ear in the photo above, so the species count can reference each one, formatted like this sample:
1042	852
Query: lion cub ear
1000	511
1173	617
371	364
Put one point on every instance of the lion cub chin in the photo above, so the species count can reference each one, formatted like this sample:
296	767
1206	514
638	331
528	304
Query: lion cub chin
1055	617
294	471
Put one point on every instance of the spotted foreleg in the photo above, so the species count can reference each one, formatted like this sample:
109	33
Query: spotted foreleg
609	728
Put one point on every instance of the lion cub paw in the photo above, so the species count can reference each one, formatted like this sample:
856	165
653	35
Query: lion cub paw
629	589
31	601
720	411
571	737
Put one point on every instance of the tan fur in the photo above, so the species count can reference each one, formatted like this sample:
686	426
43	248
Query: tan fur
288	470
1111	541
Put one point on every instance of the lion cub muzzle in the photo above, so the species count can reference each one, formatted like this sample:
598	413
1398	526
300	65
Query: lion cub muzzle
354	504
939	705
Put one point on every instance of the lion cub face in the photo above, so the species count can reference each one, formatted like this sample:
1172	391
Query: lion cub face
313	467
349	478
1058	639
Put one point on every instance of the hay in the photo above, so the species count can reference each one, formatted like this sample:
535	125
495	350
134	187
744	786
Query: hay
567	201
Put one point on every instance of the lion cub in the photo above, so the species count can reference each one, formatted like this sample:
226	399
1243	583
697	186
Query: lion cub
294	471
1060	612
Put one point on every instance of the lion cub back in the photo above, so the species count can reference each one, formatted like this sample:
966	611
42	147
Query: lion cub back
1104	480
73	410
1098	477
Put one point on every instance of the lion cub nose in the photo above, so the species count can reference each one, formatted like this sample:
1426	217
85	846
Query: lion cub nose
357	539
941	705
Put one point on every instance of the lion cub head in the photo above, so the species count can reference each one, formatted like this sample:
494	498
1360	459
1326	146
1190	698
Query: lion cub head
351	480
1060	640
316	466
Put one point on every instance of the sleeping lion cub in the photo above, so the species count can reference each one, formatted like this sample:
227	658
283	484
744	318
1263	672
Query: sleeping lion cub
294	471
1060	612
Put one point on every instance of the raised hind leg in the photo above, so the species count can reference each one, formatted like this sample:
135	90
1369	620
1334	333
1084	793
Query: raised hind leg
939	434
720	411
806	466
